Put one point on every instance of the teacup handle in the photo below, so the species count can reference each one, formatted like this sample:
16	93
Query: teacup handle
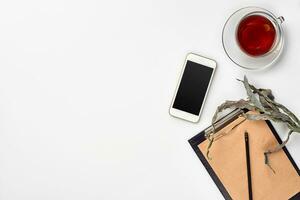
280	19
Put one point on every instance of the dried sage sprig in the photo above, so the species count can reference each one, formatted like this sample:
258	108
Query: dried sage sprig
262	102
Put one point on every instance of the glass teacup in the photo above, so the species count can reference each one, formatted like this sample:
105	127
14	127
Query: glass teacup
253	38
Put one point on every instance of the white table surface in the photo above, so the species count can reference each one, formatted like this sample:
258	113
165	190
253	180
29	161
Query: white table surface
85	88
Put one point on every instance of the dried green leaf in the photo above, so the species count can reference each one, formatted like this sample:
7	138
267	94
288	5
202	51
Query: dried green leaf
268	109
252	96
256	116
268	96
267	92
211	140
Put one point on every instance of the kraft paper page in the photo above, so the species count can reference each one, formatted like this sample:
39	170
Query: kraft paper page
229	162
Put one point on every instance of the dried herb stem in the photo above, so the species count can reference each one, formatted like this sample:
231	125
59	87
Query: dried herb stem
262	102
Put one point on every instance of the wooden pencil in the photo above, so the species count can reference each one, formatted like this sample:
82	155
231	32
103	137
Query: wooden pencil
248	165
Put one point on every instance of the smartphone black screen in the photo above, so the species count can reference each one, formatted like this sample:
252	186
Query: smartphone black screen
193	86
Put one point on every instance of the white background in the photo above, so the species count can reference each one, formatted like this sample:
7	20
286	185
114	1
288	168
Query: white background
85	88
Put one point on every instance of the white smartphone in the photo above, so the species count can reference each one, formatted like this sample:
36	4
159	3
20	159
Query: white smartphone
192	88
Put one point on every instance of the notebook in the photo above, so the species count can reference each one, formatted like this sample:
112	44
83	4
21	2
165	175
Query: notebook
228	164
